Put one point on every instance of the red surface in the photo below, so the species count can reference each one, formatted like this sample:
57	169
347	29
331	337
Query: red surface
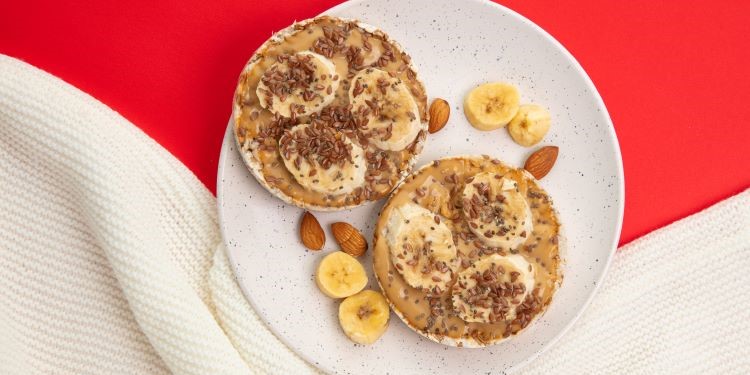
675	77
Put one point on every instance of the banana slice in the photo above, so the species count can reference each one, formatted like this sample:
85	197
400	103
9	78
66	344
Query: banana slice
339	275
421	247
492	105
385	101
496	211
364	316
298	84
323	159
530	124
492	288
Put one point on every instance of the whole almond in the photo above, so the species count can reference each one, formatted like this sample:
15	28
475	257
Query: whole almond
349	238
440	110
311	232
541	161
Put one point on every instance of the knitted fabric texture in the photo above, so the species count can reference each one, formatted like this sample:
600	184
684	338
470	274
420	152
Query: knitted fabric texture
111	262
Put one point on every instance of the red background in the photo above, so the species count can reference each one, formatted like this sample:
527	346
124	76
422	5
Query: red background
674	75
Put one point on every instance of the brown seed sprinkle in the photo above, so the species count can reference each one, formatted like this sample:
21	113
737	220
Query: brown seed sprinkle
358	88
297	75
382	84
332	41
318	145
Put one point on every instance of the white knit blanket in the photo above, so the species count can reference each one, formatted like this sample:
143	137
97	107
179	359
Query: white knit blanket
111	262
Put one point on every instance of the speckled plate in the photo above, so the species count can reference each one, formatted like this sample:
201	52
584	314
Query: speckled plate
455	45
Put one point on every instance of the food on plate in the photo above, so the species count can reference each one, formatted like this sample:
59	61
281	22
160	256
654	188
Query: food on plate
413	231
364	316
387	108
330	114
530	124
311	232
349	238
467	250
440	111
340	275
541	161
496	210
496	271
491	106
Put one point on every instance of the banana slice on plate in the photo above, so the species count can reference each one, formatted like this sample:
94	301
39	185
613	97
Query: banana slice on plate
496	211
492	105
492	288
298	84
364	316
421	247
392	113
340	275
323	159
530	124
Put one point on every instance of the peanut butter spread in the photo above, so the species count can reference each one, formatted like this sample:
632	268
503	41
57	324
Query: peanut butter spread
469	293
339	134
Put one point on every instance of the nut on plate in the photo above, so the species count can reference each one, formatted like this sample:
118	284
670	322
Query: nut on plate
440	110
349	238
311	232
541	161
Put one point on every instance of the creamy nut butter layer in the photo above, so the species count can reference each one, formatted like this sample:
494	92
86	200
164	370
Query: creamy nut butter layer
467	251
330	114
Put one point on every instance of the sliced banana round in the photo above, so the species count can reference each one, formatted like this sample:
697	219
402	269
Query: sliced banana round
364	316
340	275
530	124
496	211
392	113
491	289
298	84
323	159
421	247
492	105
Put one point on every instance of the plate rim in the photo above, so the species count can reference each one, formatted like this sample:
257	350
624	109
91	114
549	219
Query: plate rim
620	190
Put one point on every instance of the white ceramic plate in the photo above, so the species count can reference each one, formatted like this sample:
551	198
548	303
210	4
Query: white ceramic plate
455	45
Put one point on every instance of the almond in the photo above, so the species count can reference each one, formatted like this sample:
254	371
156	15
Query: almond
311	232
349	238
440	110
541	161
